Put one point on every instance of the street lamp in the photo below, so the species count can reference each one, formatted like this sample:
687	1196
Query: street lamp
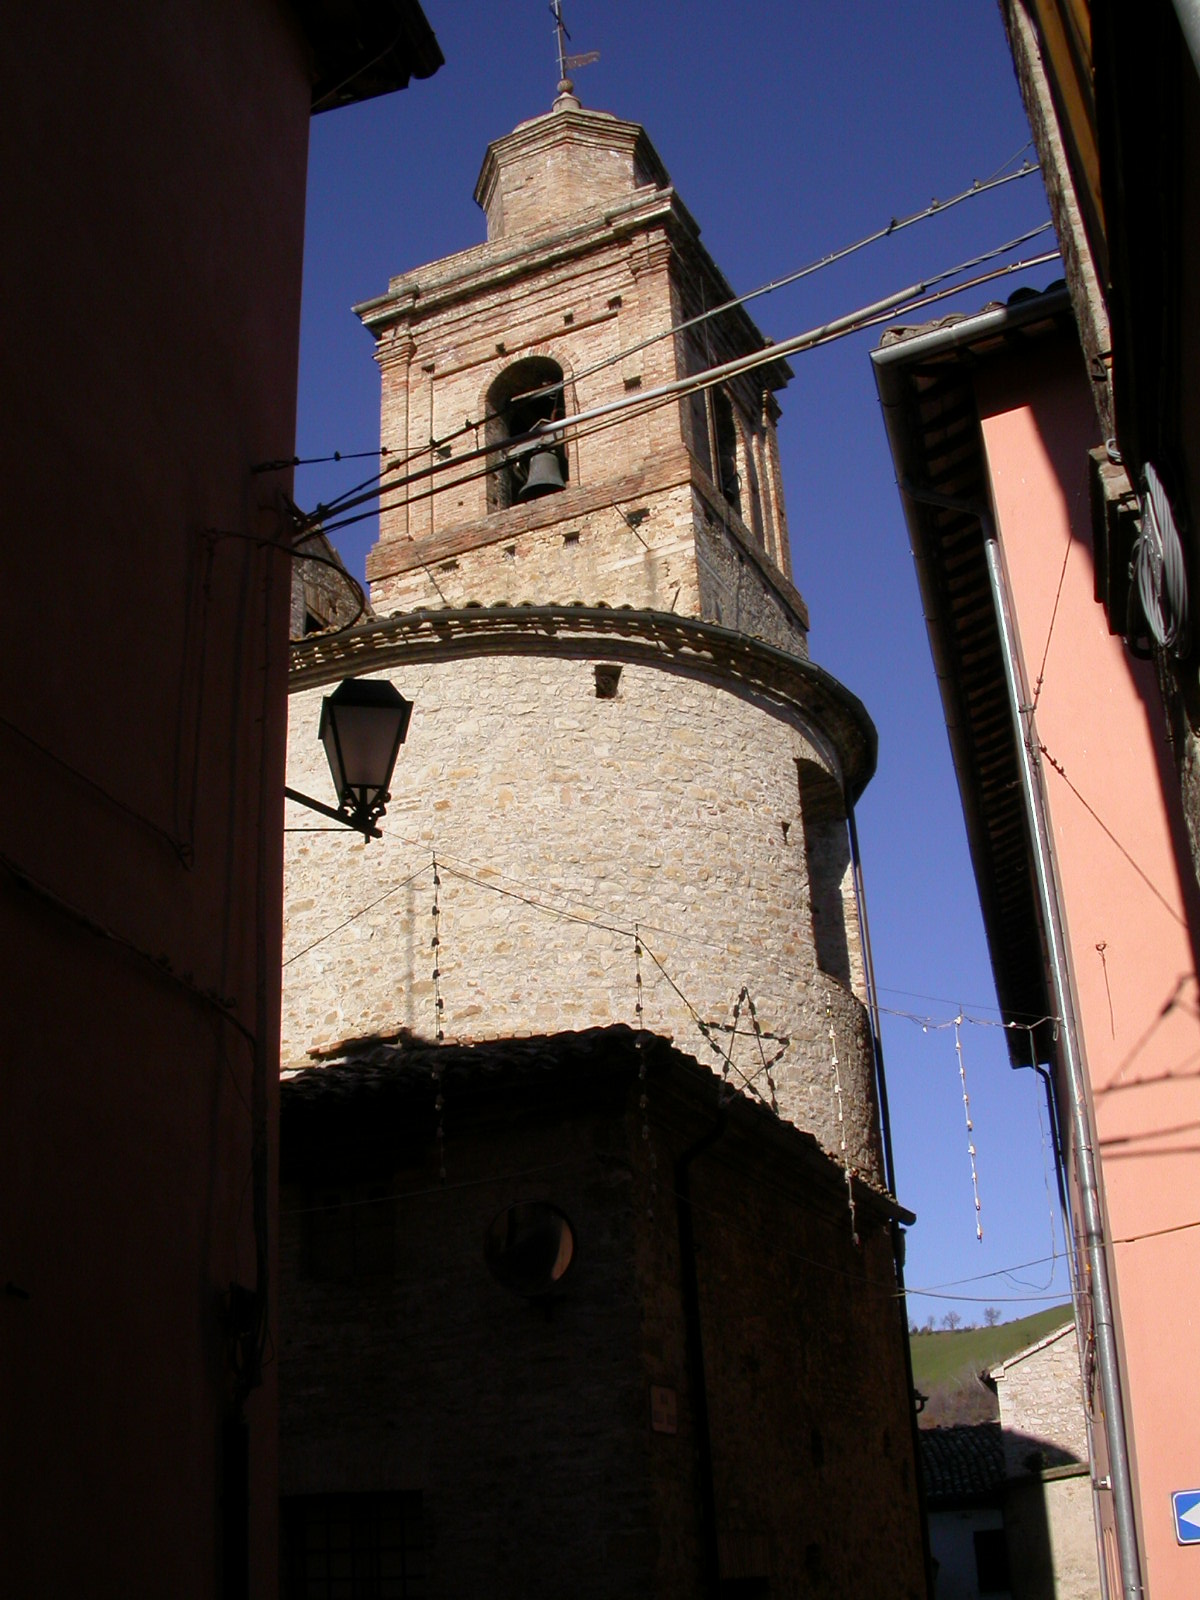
363	724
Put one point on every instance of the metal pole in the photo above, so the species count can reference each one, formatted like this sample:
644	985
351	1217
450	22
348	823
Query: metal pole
889	1170
1071	1045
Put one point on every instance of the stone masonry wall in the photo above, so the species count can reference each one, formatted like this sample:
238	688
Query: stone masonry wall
1041	1397
807	1390
685	556
560	820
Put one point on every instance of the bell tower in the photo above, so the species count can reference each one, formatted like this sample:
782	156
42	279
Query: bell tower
596	999
666	502
582	582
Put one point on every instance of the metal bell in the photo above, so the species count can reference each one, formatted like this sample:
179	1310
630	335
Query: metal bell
543	474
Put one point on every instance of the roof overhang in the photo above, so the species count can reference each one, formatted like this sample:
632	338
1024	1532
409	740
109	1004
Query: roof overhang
926	388
364	48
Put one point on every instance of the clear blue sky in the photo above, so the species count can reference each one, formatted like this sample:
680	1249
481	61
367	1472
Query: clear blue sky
789	129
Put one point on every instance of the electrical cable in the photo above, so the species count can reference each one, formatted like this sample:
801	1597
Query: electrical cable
176	845
1161	567
641	403
896	225
1057	767
354	916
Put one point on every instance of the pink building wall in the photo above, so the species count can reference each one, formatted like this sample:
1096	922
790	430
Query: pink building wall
1127	902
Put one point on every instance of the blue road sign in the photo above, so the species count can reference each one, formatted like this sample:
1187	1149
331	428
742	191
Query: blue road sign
1186	1505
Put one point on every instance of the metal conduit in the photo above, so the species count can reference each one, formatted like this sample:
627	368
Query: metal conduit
1071	1044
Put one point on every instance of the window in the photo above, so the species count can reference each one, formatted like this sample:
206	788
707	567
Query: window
352	1547
525	397
991	1560
827	856
725	438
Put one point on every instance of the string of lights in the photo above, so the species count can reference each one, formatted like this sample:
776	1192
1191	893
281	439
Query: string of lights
966	1100
841	1121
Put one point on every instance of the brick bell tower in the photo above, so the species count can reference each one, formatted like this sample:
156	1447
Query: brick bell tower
674	506
603	972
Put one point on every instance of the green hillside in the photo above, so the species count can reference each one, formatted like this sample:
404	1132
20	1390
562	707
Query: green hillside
940	1358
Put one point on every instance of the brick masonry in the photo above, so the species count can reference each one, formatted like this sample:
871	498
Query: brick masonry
585	287
543	1454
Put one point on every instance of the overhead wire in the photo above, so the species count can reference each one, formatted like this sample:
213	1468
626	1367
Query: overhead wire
631	407
895	225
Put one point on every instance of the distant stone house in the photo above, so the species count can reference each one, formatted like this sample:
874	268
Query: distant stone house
1048	1491
963	1468
1009	1502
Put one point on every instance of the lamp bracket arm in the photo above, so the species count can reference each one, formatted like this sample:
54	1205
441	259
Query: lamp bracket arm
360	825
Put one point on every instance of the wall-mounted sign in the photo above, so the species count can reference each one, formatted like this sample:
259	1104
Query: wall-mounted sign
1186	1505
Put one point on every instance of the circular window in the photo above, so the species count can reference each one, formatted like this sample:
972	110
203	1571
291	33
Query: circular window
529	1248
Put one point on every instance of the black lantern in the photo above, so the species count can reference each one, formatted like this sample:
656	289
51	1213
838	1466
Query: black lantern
363	724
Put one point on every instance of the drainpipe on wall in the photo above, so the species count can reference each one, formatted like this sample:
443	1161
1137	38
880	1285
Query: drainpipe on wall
1077	1292
889	1173
1070	1042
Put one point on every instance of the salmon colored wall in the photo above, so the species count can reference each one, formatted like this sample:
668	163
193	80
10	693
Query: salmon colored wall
1127	898
149	316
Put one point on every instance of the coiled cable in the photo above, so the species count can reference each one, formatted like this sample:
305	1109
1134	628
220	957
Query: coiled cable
1161	568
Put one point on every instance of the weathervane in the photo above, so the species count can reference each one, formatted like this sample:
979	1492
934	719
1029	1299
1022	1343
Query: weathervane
567	63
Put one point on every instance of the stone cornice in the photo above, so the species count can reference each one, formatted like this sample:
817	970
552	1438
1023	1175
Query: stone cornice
732	660
486	267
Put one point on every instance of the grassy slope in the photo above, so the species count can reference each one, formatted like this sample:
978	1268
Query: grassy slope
939	1358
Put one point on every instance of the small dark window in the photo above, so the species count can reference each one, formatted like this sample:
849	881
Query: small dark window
827	857
607	679
725	431
352	1547
991	1560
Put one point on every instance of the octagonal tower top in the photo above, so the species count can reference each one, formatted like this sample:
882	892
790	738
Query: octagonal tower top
566	161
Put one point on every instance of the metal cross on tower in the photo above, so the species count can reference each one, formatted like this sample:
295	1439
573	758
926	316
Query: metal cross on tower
567	63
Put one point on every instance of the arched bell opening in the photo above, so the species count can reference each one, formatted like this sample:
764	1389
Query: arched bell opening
525	398
725	440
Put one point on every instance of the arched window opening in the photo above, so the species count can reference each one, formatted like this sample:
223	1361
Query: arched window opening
725	449
830	879
525	398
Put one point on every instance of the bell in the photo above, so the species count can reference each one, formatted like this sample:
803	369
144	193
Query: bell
543	475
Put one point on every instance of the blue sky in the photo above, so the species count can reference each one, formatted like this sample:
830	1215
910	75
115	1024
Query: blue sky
789	130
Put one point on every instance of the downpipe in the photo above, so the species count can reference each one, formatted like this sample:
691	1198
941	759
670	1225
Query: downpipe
1070	1042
